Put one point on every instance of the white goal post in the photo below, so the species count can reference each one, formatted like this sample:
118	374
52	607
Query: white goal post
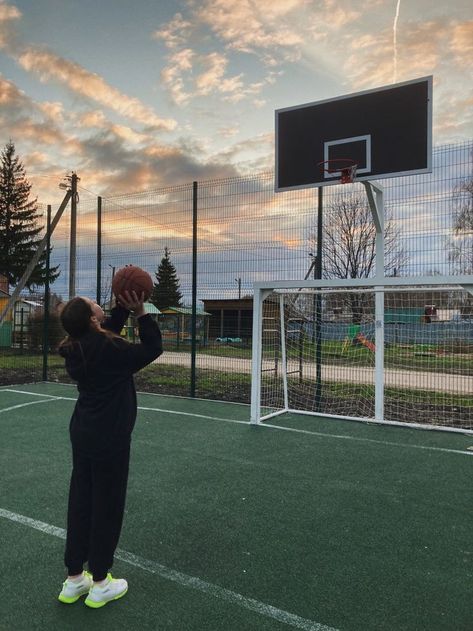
391	350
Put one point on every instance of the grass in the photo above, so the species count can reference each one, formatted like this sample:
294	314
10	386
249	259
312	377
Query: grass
423	357
401	403
428	358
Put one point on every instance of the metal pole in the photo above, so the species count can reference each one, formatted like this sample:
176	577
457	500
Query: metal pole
375	196
46	299
111	286
99	251
238	280
22	327
73	238
318	304
194	288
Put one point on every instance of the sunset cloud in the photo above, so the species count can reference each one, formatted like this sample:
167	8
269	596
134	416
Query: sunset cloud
175	33
8	13
248	26
93	118
21	117
53	110
210	77
190	75
462	41
89	85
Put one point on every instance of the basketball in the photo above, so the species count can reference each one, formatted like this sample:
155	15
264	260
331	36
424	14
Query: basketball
131	278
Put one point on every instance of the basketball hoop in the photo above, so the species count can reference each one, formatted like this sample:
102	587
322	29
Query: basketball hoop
345	167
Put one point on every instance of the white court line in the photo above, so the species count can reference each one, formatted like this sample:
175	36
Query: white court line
23	405
184	579
150	394
462	452
369	440
305	431
213	418
33	394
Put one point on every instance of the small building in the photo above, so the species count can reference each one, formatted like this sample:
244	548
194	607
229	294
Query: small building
21	314
176	325
230	318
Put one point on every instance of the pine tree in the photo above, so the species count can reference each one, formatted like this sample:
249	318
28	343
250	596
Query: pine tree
166	290
19	230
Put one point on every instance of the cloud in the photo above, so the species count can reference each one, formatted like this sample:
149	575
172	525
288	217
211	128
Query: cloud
175	33
190	75
442	47
248	26
250	155
209	70
211	78
90	86
370	60
8	13
172	78
52	110
272	33
229	132
23	118
461	42
12	97
92	118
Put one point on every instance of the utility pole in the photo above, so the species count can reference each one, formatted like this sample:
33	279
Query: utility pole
36	256
73	179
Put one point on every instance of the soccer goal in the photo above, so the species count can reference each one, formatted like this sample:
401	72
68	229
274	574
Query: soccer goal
400	352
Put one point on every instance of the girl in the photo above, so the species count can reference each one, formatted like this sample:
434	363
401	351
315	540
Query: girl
104	415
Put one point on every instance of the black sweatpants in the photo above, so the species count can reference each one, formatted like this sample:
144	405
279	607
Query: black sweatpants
95	511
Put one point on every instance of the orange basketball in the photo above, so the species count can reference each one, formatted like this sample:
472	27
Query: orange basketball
132	278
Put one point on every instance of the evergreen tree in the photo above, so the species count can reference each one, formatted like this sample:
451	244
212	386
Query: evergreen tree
166	290
19	230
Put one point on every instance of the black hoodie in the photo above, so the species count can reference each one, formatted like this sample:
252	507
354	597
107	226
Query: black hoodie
105	411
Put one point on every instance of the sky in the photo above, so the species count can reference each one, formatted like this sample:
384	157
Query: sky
136	95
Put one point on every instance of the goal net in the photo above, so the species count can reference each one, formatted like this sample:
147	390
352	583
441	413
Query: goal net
399	354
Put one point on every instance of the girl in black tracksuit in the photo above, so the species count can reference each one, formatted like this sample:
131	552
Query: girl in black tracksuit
103	364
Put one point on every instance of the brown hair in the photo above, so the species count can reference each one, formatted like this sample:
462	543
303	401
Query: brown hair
75	319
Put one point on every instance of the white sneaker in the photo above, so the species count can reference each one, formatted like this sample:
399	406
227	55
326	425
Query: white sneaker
100	595
73	590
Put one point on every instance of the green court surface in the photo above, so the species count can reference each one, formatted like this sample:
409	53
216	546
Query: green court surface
309	523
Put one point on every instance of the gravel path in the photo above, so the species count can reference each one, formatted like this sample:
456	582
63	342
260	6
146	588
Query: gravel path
457	384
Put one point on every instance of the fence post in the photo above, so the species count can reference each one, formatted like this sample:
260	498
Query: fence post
46	298
99	251
194	288
318	302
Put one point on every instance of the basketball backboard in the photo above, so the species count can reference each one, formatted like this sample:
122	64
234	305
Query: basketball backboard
386	131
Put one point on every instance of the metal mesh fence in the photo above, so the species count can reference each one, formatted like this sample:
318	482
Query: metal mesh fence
245	233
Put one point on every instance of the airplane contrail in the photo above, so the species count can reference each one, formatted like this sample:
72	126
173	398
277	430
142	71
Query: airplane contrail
398	6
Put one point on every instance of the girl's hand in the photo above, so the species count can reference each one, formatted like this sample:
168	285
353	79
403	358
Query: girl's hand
133	302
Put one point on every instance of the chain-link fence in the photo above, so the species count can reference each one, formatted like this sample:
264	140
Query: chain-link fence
245	232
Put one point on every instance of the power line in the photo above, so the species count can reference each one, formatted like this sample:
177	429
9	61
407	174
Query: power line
129	210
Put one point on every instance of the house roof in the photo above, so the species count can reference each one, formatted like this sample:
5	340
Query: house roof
29	302
183	311
150	308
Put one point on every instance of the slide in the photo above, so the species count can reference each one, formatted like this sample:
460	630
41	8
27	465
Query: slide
363	340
